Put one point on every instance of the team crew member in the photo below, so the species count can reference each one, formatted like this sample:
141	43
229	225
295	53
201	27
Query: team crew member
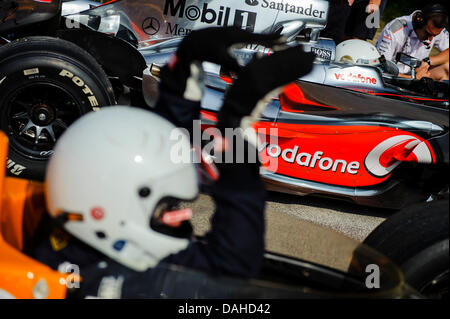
113	182
416	35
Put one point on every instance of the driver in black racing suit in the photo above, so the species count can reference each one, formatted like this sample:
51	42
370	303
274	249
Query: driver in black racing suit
114	261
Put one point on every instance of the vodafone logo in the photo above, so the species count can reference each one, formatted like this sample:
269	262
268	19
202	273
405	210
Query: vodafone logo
316	160
387	155
355	78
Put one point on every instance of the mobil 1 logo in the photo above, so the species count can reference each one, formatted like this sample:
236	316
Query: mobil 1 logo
245	20
220	16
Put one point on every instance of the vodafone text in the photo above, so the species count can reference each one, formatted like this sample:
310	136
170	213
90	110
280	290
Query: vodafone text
292	155
356	78
237	150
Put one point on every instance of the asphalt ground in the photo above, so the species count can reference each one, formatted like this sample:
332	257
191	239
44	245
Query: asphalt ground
325	231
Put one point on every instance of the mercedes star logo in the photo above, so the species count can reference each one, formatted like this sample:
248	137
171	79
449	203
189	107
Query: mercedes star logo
151	26
252	2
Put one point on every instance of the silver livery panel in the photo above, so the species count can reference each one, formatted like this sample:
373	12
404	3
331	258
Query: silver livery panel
161	19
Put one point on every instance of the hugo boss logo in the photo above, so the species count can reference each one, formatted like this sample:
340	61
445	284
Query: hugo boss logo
322	53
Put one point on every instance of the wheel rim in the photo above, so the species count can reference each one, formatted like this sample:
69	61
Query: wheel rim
438	287
37	115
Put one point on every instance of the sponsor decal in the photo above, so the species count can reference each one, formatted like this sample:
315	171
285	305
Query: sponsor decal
119	244
46	153
80	83
316	160
294	8
368	91
59	239
205	14
322	53
31	71
345	155
151	26
252	2
387	155
14	168
97	213
355	78
245	20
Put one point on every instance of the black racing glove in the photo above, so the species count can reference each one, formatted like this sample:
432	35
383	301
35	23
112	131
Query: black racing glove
258	79
181	75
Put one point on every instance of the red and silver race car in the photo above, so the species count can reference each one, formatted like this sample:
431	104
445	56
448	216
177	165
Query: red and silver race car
385	146
354	132
344	144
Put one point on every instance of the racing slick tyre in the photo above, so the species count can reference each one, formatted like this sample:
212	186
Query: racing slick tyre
417	239
45	85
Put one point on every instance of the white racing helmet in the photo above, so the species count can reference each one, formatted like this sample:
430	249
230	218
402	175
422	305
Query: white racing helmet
357	52
113	175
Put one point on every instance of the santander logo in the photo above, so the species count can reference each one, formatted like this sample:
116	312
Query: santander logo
387	155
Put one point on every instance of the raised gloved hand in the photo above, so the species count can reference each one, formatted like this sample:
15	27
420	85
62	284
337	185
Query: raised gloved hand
182	76
258	80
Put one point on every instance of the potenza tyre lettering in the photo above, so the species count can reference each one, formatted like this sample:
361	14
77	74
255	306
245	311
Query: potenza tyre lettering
14	168
80	83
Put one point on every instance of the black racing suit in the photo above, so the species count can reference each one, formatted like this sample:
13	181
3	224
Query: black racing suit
234	246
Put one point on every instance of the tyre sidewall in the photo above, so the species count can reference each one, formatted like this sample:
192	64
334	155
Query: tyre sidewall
427	265
31	68
416	238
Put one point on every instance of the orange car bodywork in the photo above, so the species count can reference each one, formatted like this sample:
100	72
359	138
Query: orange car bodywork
21	208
